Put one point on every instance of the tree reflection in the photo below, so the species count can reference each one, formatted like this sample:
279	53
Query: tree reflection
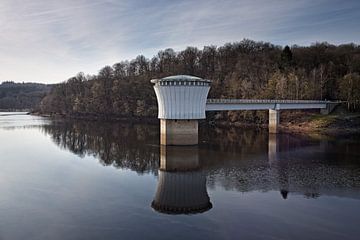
116	144
236	159
289	164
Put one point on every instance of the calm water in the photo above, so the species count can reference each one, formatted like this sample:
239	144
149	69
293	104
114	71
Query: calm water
96	180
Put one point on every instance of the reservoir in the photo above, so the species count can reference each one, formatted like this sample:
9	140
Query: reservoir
62	179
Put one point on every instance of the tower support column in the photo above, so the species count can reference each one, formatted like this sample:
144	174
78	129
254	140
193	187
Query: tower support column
274	120
178	132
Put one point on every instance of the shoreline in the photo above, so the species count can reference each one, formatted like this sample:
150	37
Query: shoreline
90	117
329	125
333	125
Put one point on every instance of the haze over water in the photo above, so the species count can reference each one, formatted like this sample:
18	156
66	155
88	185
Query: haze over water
102	180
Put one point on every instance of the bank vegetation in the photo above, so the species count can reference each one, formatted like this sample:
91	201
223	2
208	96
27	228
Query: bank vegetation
245	69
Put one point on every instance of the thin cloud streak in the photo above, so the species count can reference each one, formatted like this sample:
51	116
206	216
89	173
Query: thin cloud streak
50	41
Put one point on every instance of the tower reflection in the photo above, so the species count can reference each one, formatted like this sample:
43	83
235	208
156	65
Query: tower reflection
181	187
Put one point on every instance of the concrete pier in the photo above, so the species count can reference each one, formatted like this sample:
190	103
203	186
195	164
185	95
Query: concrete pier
274	120
329	108
178	132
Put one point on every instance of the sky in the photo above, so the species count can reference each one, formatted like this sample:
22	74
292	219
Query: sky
50	41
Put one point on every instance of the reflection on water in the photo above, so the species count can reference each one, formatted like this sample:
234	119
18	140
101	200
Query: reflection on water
182	185
13	120
242	160
235	159
103	180
119	145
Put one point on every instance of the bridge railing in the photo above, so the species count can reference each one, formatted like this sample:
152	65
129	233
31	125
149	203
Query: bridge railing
240	101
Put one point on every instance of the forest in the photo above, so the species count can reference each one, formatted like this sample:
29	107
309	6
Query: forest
21	96
245	69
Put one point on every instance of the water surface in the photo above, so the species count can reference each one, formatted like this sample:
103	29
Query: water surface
103	180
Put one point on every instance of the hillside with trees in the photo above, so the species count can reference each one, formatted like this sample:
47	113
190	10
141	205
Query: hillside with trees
21	96
245	69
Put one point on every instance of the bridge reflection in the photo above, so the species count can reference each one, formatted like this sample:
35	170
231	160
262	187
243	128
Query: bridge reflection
181	188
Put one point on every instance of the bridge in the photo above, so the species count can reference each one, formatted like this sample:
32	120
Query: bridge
262	104
182	101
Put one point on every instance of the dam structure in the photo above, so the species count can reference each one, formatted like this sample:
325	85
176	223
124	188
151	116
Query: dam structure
182	101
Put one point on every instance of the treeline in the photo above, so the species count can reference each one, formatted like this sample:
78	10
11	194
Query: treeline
14	96
245	69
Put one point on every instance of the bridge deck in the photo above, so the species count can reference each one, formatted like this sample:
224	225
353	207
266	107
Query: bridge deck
263	104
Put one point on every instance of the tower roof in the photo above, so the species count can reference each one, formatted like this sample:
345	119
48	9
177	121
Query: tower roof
181	78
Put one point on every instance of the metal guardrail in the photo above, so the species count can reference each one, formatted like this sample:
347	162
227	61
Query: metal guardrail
240	101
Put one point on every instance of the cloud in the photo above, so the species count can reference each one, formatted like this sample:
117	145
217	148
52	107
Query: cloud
49	41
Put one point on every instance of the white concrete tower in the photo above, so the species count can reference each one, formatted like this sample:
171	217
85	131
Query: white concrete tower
181	102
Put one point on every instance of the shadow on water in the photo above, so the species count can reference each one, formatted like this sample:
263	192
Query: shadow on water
234	159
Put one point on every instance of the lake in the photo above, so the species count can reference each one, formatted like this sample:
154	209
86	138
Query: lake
106	180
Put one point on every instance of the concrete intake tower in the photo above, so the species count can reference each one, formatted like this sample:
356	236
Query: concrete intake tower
181	103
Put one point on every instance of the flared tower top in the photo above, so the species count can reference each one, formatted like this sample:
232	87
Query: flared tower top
180	78
181	97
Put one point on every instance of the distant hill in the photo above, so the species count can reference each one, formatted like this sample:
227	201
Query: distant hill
16	96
